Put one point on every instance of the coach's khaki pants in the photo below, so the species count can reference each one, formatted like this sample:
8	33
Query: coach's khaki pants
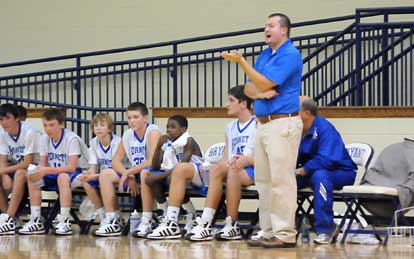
276	151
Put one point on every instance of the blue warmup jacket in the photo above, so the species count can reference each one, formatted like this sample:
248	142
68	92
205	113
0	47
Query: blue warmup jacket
323	148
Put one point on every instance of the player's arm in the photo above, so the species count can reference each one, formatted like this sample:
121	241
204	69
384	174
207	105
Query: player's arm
90	174
189	150
242	161
159	153
42	161
42	164
152	142
27	160
30	141
3	164
119	156
225	152
93	159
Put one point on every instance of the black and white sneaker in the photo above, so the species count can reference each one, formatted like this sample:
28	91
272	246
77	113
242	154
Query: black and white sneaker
189	223
63	227
201	232
121	221
109	227
166	230
34	226
8	224
144	228
231	231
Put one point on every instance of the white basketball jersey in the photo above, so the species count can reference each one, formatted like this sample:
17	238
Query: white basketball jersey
16	147
238	136
58	153
136	149
249	148
101	155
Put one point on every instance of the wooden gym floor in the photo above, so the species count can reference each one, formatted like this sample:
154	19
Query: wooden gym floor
88	246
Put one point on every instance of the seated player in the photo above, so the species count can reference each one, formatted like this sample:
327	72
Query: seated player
138	145
19	147
63	156
102	149
173	149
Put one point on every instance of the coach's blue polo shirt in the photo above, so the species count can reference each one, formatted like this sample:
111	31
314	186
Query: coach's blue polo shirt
284	67
322	148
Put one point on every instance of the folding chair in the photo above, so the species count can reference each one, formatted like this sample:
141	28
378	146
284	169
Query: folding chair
356	196
360	153
214	153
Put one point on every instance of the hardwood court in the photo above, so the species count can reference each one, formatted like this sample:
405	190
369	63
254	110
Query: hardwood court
88	246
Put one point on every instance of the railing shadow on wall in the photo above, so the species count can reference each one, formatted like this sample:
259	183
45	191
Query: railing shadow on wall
365	64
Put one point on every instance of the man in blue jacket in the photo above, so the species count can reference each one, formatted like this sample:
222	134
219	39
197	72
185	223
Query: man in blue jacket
323	165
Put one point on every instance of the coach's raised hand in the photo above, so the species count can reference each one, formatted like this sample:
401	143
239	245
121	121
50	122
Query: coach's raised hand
234	56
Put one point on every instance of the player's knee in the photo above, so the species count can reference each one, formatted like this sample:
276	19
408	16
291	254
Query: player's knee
63	179
20	173
218	173
144	175
183	171
107	176
7	186
86	185
106	173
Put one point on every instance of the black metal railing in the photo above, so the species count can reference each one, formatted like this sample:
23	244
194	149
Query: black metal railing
368	64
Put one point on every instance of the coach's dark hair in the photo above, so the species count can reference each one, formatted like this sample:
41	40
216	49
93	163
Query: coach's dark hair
181	120
138	106
54	114
238	93
22	112
284	21
9	108
309	105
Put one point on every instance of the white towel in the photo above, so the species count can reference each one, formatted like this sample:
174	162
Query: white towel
169	160
181	141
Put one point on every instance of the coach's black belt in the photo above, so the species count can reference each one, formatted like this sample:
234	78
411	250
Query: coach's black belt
266	119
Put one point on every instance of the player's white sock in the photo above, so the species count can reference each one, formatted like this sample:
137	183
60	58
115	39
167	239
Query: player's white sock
65	212
35	211
100	212
147	216
110	215
173	213
208	214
